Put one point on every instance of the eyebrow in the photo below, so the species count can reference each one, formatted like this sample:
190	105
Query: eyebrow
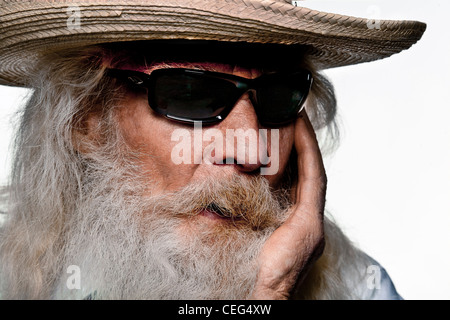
147	64
148	68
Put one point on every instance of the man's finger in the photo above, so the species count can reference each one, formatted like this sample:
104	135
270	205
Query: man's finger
310	191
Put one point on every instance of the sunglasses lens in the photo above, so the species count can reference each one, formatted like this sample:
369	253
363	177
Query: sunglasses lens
191	97
282	100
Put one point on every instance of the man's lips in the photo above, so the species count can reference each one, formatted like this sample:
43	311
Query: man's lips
213	211
211	215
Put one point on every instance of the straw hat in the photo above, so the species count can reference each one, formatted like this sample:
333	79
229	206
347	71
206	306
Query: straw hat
32	28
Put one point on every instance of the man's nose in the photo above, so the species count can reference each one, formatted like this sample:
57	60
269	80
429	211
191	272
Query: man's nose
243	146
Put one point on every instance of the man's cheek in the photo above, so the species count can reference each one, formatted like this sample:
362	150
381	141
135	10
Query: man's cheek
181	151
273	152
280	152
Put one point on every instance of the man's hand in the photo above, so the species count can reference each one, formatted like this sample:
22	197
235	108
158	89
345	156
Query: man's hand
298	242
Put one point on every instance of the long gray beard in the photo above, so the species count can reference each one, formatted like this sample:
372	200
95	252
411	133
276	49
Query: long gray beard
124	245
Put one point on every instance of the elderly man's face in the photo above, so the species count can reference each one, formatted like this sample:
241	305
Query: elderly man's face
150	136
197	227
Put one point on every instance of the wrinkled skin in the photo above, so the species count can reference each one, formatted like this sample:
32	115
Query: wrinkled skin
298	242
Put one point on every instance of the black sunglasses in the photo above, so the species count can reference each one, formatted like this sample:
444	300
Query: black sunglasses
189	95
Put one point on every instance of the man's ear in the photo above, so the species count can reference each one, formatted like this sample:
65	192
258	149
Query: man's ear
86	135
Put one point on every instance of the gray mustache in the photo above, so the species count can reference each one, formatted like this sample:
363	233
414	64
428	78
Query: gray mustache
244	201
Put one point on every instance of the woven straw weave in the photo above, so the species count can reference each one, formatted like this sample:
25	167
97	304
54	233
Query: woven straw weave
28	29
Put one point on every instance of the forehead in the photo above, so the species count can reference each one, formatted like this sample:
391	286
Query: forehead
260	56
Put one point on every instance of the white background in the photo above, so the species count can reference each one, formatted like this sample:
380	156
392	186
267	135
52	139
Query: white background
389	182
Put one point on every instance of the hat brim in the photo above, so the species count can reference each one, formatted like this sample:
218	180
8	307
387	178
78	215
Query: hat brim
32	28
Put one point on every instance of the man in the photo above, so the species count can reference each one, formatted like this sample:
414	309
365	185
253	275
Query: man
168	150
